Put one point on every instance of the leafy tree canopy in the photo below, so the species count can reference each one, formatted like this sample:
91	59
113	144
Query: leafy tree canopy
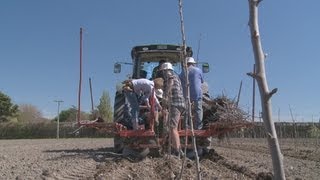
7	108
70	115
105	107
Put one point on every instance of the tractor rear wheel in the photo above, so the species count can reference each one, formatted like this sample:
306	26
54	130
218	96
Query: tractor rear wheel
119	117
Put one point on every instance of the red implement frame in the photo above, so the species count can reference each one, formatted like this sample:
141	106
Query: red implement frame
141	136
214	129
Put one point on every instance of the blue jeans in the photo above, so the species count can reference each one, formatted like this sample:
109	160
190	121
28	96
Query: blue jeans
197	113
132	103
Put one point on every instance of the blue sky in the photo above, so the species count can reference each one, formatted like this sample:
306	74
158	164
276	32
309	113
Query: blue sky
39	48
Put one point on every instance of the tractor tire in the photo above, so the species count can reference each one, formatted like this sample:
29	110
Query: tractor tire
118	144
119	107
137	154
119	117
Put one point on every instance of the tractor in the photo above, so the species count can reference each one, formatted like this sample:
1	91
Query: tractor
220	115
144	59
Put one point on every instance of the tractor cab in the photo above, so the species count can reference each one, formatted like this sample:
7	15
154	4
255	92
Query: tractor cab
147	57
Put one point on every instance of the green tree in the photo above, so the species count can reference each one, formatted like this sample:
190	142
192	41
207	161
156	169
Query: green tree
105	107
8	110
314	131
70	115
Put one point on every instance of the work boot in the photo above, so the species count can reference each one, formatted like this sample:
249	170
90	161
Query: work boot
192	155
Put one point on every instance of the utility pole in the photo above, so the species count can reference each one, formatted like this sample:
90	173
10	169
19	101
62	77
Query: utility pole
198	48
58	118
92	108
80	80
253	93
238	98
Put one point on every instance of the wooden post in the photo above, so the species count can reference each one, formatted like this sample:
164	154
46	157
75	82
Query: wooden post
280	125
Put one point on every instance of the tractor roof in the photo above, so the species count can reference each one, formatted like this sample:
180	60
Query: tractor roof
156	52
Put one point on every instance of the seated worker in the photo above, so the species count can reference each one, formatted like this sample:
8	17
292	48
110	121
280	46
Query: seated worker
157	108
153	118
143	74
156	73
138	91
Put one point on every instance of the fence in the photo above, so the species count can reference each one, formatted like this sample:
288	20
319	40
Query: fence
49	130
283	129
45	130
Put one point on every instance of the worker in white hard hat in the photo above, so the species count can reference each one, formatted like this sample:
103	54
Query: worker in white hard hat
156	73
173	93
195	78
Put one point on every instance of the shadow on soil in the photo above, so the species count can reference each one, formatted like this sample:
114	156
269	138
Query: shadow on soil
98	155
107	154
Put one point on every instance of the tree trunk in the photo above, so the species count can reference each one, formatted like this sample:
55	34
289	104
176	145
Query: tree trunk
265	94
188	103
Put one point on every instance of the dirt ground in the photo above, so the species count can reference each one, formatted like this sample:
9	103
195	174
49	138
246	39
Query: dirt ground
94	159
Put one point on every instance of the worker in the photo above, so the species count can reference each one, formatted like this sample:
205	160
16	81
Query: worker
143	73
158	107
139	91
174	101
195	78
156	73
156	103
154	121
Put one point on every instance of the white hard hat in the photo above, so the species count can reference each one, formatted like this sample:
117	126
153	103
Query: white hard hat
191	60
159	93
166	66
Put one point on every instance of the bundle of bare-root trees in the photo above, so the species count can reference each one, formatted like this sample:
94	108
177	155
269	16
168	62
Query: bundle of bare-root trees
223	111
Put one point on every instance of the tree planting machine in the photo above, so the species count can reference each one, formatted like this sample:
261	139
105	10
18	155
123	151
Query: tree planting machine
144	59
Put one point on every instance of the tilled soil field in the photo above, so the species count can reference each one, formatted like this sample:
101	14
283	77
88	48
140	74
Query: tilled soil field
94	159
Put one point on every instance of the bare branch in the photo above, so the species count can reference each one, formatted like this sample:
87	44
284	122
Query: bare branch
253	75
256	34
272	93
259	1
256	2
270	136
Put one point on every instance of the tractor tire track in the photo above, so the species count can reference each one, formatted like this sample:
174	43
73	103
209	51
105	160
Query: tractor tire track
84	170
